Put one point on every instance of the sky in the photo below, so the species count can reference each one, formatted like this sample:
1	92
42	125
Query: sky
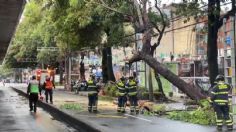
177	1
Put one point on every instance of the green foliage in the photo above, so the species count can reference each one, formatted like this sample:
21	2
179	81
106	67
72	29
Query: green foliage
72	106
106	98
160	108
111	90
204	115
66	24
4	71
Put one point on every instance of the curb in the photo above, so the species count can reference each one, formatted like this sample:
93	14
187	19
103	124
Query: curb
80	125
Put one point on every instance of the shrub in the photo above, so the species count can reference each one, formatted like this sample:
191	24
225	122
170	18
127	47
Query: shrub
157	95
159	109
144	96
204	115
72	106
111	90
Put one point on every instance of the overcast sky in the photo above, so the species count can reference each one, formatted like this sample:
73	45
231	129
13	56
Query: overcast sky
177	1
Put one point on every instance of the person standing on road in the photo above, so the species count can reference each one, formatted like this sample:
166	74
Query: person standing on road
48	86
33	90
92	94
220	101
122	92
132	93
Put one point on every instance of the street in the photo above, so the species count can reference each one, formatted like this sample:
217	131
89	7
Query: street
16	117
108	120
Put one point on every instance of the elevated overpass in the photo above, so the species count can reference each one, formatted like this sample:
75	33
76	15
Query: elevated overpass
10	12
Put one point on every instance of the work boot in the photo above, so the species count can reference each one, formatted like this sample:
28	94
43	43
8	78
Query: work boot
219	128
230	128
35	110
118	109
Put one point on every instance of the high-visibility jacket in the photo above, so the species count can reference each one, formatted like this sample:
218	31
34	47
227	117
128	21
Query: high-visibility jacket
92	88
34	86
132	88
48	85
121	88
220	93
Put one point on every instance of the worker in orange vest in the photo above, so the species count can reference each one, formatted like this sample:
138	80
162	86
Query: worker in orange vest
48	86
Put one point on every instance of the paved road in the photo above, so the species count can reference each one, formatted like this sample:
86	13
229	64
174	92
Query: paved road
16	117
110	121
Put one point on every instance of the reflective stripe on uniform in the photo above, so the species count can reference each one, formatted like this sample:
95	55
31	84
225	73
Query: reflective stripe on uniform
223	86
219	121
229	124
218	93
228	121
221	101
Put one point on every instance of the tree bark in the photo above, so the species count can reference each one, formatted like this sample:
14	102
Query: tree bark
212	53
111	76
61	72
104	65
191	91
108	74
160	88
150	84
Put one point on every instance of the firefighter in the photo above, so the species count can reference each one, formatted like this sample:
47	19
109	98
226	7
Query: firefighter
122	92
132	94
48	86
220	101
33	91
92	94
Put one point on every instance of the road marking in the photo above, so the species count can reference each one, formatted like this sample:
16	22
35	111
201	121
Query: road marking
110	116
103	116
138	118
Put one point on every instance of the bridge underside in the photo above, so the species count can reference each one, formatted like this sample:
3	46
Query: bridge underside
10	12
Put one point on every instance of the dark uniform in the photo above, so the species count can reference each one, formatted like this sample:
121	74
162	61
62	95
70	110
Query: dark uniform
122	92
33	90
132	93
92	95
220	101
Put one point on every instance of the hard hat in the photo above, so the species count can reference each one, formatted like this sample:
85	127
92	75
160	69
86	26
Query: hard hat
131	77
47	78
33	77
220	78
122	78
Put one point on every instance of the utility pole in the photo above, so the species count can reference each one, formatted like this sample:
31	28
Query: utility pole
234	57
173	35
230	58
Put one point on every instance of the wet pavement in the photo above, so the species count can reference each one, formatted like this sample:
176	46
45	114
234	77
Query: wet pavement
108	120
16	117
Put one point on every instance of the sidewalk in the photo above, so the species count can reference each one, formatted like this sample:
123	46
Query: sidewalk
107	119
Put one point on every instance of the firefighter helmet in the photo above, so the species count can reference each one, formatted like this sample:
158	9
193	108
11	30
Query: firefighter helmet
220	78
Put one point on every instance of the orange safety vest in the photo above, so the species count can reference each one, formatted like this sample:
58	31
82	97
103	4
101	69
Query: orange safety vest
49	85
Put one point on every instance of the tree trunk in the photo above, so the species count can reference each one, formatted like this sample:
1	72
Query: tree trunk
160	88
61	72
191	91
107	68
212	41
150	85
104	65
110	72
